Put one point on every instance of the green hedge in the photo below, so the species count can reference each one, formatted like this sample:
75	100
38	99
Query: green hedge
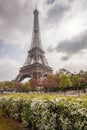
63	113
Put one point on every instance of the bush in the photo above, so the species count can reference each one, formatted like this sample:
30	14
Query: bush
61	113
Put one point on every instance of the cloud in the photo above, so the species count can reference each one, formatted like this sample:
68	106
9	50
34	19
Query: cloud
15	17
12	57
76	63
73	45
13	13
50	1
8	69
57	11
50	48
60	20
10	50
70	0
65	58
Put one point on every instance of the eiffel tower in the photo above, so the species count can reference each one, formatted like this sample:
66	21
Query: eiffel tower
36	65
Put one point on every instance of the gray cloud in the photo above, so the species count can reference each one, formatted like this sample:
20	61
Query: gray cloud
50	1
15	16
12	51
11	57
8	69
70	0
56	12
65	58
50	48
73	46
16	22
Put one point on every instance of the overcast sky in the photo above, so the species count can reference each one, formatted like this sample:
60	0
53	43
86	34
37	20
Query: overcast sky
63	27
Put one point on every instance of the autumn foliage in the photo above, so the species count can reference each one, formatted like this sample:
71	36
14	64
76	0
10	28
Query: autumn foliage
63	80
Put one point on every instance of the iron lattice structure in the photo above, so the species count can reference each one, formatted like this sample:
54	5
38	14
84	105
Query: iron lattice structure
36	65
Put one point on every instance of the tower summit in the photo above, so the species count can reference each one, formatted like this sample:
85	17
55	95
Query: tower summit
36	65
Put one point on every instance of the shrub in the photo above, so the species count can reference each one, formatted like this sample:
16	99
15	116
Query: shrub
61	113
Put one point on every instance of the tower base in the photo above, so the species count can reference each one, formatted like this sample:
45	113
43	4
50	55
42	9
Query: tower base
37	71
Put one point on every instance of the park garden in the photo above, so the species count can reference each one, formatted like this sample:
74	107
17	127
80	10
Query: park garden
40	106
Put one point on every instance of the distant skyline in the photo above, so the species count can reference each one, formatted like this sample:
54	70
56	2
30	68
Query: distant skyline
63	27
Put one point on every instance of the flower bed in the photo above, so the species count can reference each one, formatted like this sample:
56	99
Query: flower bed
46	112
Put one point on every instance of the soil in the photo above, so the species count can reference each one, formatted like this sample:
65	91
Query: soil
10	124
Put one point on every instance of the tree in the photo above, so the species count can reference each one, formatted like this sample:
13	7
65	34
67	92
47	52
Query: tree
51	83
18	86
65	82
33	84
25	87
2	85
83	76
76	81
9	85
64	71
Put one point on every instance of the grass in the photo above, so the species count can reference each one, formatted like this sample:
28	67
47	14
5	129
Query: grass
8	124
40	95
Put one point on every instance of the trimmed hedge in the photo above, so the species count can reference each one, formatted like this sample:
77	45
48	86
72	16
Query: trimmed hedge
63	113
